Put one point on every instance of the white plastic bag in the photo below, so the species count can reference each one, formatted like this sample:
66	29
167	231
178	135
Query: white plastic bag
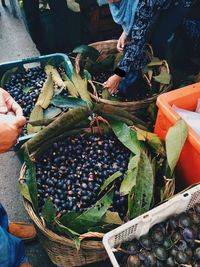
191	118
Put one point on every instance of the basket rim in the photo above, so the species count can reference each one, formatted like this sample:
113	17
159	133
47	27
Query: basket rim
85	244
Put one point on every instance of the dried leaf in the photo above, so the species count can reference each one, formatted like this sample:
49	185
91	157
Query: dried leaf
68	102
81	86
46	94
36	115
163	78
71	88
50	70
112	218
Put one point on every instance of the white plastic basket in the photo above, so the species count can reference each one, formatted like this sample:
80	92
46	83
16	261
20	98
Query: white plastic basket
142	224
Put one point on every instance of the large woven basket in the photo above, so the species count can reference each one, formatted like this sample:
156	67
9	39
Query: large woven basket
108	48
60	249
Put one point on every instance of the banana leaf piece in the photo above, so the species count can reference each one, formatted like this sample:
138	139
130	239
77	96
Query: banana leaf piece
50	70
36	115
68	102
46	94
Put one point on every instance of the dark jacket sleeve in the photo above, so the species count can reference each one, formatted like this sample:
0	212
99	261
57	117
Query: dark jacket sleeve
135	52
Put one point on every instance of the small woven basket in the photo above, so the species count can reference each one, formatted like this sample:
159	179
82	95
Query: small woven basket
62	250
108	48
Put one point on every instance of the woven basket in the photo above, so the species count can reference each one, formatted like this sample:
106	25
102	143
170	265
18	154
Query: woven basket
61	250
108	48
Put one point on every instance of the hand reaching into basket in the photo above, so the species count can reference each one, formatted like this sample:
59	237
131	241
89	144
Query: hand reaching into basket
8	104
11	121
112	84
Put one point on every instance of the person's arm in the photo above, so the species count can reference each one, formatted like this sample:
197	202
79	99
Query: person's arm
135	50
10	125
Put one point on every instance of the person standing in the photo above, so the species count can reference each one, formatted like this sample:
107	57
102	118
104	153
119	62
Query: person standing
137	18
12	253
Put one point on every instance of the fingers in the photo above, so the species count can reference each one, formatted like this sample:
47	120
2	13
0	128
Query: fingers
20	122
3	106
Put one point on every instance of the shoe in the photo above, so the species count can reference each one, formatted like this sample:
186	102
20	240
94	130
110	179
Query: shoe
22	230
26	264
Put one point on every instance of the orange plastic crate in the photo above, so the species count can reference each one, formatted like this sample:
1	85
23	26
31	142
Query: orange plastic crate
188	168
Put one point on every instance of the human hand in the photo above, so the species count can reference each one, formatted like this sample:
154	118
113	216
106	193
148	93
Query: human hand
112	84
8	104
122	42
10	129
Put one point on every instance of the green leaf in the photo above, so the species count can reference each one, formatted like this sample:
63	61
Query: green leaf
51	112
36	115
127	137
26	90
49	212
175	139
110	179
92	216
107	63
141	195
23	187
47	92
30	177
70	233
7	76
130	179
106	94
68	102
163	78
87	51
155	62
87	75
152	139
112	218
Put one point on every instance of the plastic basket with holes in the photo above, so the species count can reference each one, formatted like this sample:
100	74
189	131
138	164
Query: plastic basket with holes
142	224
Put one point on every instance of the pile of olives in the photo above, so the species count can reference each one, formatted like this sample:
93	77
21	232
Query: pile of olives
25	87
173	243
72	171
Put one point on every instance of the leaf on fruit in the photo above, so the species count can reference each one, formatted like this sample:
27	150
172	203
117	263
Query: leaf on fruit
47	93
7	76
68	102
87	51
36	115
51	113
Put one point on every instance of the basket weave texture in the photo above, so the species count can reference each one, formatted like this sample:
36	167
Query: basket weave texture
62	250
108	48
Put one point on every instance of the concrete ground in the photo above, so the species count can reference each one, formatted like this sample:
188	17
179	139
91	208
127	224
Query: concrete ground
15	43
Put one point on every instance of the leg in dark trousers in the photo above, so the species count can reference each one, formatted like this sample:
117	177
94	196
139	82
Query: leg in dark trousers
166	25
3	3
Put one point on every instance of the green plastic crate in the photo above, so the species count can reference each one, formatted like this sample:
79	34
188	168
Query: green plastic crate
55	59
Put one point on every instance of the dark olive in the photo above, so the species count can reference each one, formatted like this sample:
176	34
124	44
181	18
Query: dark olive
189	235
133	248
173	222
167	244
182	258
133	261
146	242
150	259
195	217
158	237
196	264
173	251
189	252
176	236
161	253
171	262
197	208
185	220
182	245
